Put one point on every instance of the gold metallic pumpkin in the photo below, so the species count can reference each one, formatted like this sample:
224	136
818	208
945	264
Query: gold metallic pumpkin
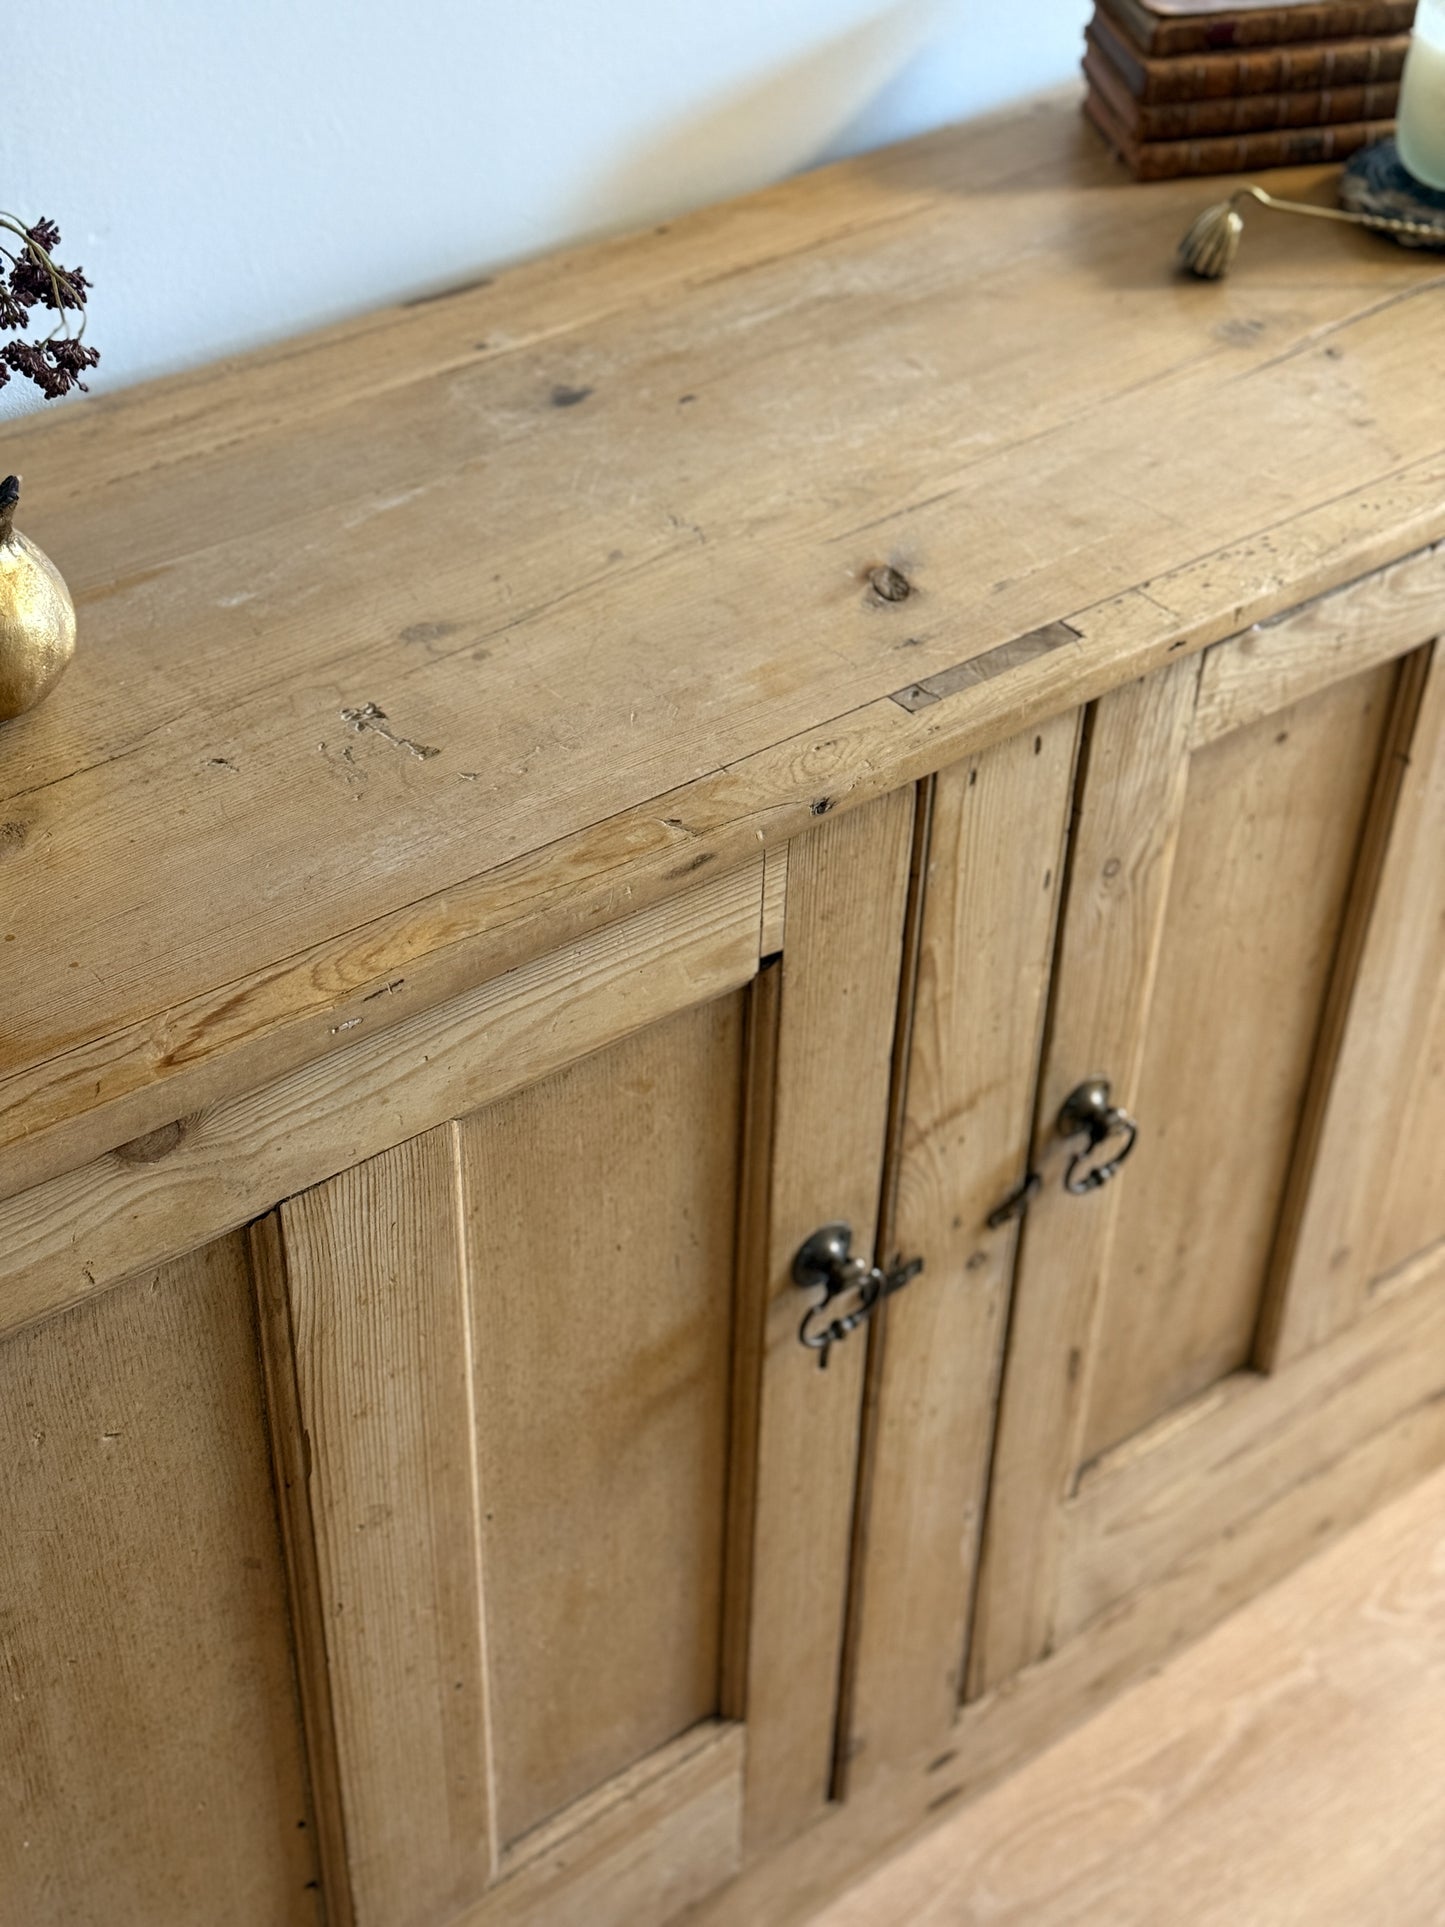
37	617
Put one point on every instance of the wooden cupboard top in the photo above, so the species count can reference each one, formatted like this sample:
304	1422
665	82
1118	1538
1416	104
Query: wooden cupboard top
414	647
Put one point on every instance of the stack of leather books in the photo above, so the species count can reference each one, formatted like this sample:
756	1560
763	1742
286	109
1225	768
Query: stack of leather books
1198	87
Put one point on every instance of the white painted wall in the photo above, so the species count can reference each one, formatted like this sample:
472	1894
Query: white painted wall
233	171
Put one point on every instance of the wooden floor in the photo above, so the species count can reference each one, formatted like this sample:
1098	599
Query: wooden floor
1289	1769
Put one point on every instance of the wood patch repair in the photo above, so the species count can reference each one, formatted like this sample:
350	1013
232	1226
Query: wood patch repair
993	662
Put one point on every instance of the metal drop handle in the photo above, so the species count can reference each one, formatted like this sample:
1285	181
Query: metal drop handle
826	1262
1088	1111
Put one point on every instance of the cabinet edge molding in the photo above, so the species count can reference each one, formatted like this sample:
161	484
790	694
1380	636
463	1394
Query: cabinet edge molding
81	1232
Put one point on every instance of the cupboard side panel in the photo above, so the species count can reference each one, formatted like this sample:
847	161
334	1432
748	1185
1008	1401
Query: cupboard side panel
151	1769
992	884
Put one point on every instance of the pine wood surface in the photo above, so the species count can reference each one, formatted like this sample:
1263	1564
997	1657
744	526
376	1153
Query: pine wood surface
838	997
1123	852
510	1345
151	1764
1248	1441
1312	1502
1266	853
75	1234
1284	1771
993	883
599	1216
382	1349
1380	1196
638	1853
1230	887
601	532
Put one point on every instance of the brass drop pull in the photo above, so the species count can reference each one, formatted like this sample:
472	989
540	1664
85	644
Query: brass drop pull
826	1262
1088	1112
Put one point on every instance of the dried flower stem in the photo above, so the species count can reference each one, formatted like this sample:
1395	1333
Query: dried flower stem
55	361
67	295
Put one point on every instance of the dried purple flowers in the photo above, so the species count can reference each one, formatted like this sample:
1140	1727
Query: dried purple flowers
56	361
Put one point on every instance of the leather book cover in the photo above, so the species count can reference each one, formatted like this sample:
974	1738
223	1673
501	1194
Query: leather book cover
1160	27
1244	114
1230	153
1296	68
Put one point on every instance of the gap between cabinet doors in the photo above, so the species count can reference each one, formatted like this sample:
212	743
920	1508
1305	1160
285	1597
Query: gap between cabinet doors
990	869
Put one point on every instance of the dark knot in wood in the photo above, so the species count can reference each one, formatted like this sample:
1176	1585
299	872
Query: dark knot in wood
889	584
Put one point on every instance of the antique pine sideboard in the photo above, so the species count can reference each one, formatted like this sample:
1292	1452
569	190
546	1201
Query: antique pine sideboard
572	787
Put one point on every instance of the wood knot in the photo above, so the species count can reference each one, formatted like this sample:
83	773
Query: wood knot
154	1145
889	584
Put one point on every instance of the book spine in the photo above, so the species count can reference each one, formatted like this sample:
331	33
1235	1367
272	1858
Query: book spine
1246	153
1265	27
1265	113
1245	114
1274	70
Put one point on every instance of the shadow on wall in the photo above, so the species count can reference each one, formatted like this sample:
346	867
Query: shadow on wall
791	119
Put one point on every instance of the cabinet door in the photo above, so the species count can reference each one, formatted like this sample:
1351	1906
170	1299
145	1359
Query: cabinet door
565	1507
573	1502
1199	1378
995	833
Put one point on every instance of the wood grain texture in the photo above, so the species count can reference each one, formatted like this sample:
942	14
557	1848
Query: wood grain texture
1267	849
285	608
775	900
1001	1732
752	1284
1123	851
151	1769
638	1853
600	1214
74	1235
1279	663
993	881
1414	1213
1377	1125
290	1474
383	1340
847	886
1140	1511
1284	1770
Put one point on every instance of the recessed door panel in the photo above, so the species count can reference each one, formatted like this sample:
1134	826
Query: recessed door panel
1267	844
599	1210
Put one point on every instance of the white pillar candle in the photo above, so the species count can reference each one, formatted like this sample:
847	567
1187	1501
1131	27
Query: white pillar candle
1420	134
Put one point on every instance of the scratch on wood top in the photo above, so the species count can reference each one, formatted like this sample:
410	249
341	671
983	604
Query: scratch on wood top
993	662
